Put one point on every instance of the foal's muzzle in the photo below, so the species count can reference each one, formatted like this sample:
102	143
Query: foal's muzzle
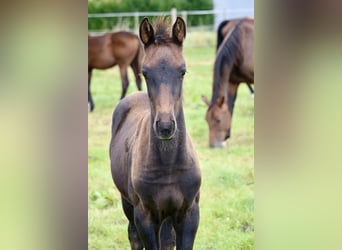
165	130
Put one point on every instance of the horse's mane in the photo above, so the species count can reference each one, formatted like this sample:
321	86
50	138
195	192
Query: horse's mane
219	34
162	33
227	55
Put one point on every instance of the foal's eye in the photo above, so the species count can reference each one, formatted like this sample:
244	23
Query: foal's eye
183	72
217	120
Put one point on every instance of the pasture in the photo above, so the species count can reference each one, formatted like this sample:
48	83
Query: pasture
227	191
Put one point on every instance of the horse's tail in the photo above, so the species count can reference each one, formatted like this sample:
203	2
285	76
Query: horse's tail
137	64
220	37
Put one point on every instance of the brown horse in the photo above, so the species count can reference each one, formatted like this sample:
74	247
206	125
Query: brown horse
223	29
118	48
234	64
153	162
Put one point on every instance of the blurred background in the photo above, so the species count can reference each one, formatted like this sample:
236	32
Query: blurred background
201	14
44	129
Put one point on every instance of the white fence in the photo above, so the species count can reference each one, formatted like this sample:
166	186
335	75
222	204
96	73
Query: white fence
227	14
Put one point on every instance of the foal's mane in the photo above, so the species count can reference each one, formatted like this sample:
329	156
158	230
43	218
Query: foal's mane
161	26
227	55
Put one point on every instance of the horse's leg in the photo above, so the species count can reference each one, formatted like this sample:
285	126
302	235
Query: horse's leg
147	229
124	79
167	235
132	230
186	228
232	94
90	99
137	75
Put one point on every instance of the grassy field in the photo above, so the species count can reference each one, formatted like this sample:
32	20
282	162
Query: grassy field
227	191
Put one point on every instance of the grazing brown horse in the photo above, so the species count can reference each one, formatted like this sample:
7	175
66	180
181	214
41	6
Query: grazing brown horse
153	162
234	64
118	48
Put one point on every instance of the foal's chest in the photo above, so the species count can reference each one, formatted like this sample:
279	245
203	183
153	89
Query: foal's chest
166	190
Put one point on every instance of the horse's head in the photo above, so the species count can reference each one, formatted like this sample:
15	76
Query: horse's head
219	119
163	69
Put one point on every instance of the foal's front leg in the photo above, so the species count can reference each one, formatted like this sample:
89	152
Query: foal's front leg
146	228
186	228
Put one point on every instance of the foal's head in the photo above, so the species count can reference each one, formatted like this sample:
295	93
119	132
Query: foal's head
163	69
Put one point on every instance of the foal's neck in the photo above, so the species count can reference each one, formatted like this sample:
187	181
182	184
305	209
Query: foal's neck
172	151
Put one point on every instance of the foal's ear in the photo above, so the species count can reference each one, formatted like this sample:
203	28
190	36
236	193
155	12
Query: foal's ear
146	32
179	31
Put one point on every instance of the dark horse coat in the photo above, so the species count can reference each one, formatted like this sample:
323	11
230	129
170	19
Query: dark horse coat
153	162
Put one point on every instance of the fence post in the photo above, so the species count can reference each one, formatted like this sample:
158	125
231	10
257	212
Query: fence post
136	22
185	17
173	15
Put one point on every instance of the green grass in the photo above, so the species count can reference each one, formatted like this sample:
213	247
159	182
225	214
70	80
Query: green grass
227	191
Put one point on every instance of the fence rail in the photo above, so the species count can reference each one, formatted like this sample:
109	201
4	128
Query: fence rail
161	13
224	13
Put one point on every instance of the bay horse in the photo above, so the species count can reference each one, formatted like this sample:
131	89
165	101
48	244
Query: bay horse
116	48
223	29
234	64
153	162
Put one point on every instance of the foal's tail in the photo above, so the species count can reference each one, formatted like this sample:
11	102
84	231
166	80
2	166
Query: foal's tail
220	37
137	64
